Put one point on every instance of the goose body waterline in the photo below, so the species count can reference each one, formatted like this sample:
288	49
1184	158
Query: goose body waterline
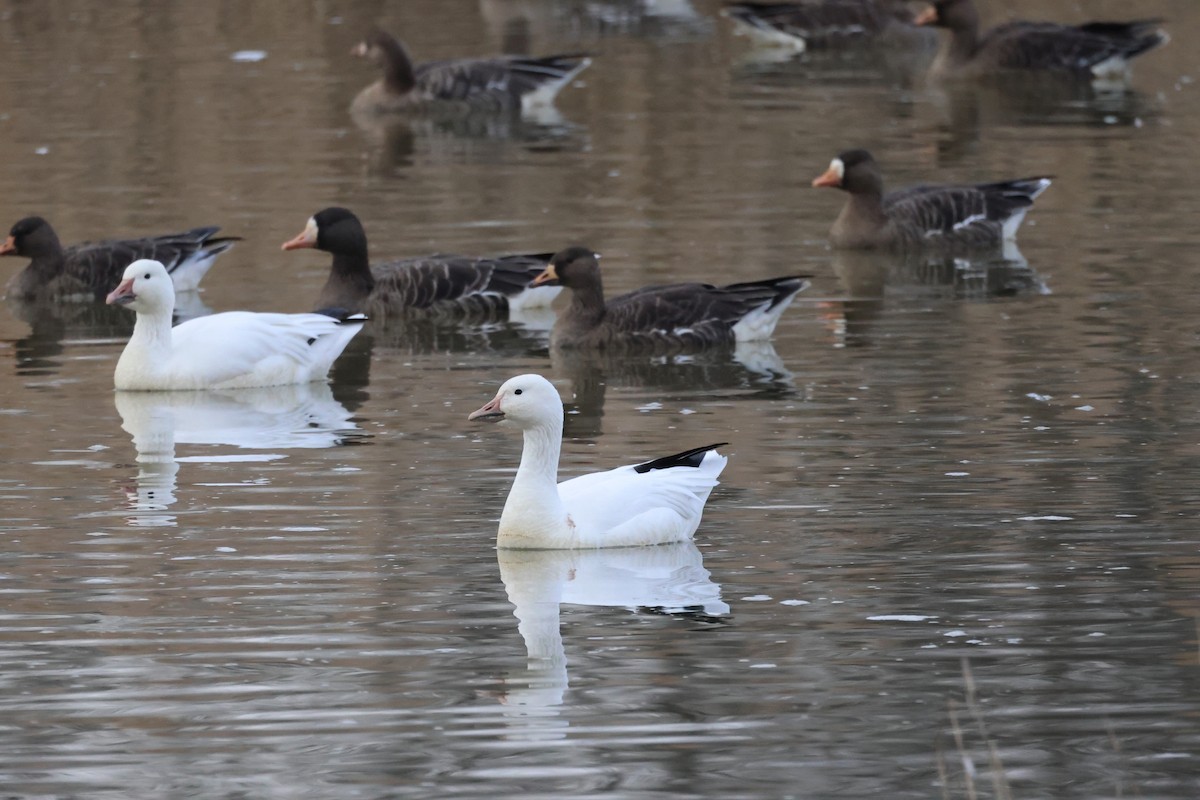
1093	50
86	271
822	23
235	349
498	84
947	218
681	316
651	503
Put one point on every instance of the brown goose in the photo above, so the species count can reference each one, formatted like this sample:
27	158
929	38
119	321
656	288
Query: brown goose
500	84
1099	49
822	23
438	284
680	316
948	218
87	271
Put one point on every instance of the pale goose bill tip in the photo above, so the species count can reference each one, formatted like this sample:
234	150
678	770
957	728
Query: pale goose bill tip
546	276
122	295
490	412
300	241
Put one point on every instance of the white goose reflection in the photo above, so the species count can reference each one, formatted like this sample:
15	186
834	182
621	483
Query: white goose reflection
667	579
270	418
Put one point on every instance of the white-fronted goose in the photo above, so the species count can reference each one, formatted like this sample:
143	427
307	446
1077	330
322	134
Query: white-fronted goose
1099	49
499	84
822	23
950	218
232	350
655	502
88	270
437	284
679	316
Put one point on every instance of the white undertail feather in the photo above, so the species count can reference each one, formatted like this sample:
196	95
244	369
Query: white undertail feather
191	271
533	297
760	323
766	36
544	95
1009	229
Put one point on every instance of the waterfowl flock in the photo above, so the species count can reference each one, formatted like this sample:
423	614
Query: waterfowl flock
659	500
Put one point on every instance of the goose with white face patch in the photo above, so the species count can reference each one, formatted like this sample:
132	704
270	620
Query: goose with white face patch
655	502
437	285
499	84
1100	50
86	271
949	218
232	350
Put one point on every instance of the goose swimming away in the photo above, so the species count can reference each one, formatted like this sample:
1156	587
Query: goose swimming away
499	84
678	316
942	218
86	271
439	284
232	350
654	502
1095	49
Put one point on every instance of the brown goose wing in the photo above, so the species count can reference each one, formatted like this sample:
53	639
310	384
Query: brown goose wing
966	215
817	23
99	265
1037	45
499	82
477	285
693	313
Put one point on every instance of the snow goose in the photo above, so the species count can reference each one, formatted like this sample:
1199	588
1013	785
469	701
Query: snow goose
798	26
88	270
654	502
1095	49
942	218
500	84
448	285
233	350
680	316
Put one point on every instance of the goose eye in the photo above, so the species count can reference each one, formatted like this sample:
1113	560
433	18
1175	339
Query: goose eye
146	276
518	391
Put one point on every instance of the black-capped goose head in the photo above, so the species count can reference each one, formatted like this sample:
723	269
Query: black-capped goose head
572	267
952	14
853	171
333	230
31	237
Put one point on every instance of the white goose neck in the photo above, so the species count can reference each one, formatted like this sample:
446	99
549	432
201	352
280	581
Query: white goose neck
534	516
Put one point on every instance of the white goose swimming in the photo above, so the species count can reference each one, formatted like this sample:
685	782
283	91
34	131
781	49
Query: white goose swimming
232	350
654	502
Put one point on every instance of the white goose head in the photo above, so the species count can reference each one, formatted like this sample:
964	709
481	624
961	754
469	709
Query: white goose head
527	400
145	287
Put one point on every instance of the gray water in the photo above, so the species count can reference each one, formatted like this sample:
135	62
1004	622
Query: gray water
954	553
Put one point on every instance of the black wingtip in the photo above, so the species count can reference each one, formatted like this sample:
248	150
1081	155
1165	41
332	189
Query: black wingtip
688	458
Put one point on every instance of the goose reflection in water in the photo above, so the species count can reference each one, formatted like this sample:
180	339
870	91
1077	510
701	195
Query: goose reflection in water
868	276
272	418
667	579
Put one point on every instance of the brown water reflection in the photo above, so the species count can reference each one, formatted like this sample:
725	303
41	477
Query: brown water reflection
956	536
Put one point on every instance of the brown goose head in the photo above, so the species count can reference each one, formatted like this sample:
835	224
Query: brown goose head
853	171
574	268
381	48
333	230
31	237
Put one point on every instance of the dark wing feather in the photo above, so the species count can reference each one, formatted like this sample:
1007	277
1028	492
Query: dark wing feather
1044	45
499	82
819	23
101	264
688	458
476	285
971	215
694	313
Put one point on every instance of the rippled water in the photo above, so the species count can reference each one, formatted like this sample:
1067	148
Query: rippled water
954	553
